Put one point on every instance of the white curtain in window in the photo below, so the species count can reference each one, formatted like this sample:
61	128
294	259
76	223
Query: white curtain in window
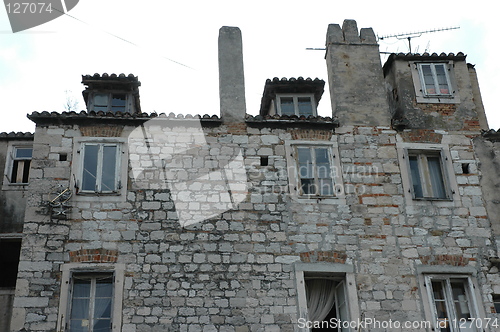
436	177
320	294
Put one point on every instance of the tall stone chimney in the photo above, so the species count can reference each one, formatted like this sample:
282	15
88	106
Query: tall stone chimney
355	76
231	76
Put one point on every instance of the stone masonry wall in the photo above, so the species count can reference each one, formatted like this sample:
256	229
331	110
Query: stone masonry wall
235	271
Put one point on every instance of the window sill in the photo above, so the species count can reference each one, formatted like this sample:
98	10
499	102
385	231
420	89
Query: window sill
337	200
98	194
101	197
438	99
14	186
432	199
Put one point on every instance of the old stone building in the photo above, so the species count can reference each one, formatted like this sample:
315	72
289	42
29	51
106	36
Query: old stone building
383	215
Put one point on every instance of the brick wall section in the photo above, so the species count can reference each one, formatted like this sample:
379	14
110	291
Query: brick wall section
472	125
453	260
93	256
236	128
101	131
442	109
323	256
421	136
311	134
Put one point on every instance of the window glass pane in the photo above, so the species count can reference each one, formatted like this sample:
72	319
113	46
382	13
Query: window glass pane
102	325
79	325
496	302
306	171
26	171
104	288
436	177
460	298
102	308
305	106
304	155
24	153
322	163
441	77
322	156
438	292
428	79
307	186
325	187
323	171
415	177
287	107
101	99
80	308
81	288
118	102
89	176
109	168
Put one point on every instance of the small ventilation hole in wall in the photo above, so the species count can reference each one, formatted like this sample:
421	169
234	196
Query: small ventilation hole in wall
264	161
465	168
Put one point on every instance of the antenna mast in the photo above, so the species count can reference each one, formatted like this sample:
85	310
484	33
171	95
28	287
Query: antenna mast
410	35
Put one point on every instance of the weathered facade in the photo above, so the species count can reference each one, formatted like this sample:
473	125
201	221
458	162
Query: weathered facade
384	213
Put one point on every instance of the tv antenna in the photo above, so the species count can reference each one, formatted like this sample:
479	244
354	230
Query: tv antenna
410	35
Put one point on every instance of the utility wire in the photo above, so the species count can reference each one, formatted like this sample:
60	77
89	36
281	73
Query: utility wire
120	38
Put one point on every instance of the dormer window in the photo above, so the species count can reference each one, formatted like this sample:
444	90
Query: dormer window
302	104
434	79
110	102
294	96
434	82
112	93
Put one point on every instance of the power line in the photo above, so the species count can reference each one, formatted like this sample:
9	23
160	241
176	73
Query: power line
121	38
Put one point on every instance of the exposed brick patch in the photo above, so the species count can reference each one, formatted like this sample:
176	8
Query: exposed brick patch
453	260
421	136
93	256
311	134
101	131
443	109
237	128
471	125
323	256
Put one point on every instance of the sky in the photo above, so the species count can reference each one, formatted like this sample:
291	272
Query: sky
172	47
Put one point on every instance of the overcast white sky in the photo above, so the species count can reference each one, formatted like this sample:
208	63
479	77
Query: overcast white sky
39	65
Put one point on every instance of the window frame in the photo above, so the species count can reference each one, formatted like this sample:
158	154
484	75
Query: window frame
11	160
120	174
449	302
99	171
343	273
93	278
295	97
449	177
454	272
428	190
69	270
338	196
421	94
435	79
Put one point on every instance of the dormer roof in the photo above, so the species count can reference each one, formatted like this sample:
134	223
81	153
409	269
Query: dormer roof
292	85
